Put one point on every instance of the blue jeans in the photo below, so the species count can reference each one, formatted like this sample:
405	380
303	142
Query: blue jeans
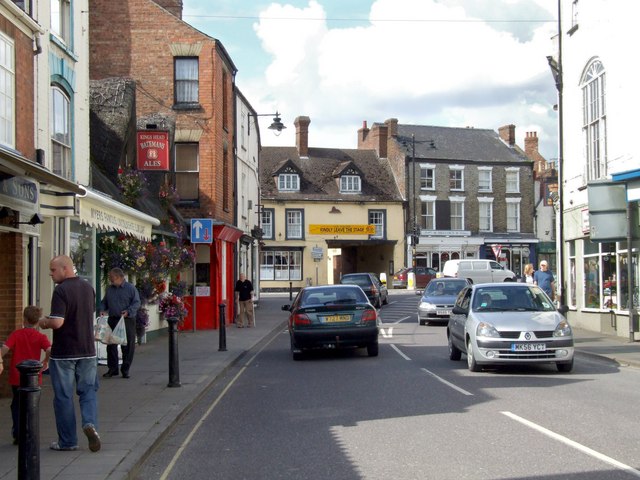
65	374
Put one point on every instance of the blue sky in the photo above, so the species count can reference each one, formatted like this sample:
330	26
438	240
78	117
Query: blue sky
456	63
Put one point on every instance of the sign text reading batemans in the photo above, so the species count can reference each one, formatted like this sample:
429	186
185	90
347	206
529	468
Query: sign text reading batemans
153	150
342	229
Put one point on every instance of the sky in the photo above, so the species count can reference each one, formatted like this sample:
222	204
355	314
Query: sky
451	63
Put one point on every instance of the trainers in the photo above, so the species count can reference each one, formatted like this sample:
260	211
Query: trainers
94	439
56	446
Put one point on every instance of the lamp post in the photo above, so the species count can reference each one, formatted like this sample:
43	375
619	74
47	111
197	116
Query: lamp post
277	126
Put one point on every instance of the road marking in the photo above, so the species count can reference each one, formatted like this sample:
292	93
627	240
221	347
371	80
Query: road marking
402	319
449	384
388	333
200	422
573	444
399	352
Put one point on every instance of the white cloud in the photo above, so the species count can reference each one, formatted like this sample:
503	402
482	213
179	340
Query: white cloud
436	64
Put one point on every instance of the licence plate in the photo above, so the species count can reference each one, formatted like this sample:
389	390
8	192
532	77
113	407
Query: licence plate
528	347
337	318
443	312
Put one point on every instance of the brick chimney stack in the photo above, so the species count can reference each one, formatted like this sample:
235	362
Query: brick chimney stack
531	150
380	133
362	134
302	135
508	134
172	6
392	126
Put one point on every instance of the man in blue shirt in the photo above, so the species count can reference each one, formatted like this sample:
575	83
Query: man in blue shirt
120	299
544	279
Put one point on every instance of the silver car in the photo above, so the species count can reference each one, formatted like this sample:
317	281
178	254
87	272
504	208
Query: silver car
508	323
438	299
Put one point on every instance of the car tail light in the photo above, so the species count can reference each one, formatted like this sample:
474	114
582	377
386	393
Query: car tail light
369	316
374	290
301	319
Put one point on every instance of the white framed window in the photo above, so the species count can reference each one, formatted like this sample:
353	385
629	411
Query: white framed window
60	132
456	178
61	20
594	120
427	177
349	183
186	81
295	224
7	92
428	214
513	180
485	214
513	214
457	213
485	183
377	217
281	265
187	168
266	224
288	182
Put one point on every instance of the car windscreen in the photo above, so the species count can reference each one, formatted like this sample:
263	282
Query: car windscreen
332	296
360	280
437	287
525	298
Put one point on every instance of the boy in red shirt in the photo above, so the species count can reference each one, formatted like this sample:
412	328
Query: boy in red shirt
26	343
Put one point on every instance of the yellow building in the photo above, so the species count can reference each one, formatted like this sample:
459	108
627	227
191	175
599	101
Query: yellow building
326	212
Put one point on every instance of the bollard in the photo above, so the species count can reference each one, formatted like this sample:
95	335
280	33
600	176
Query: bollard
222	345
29	434
174	366
290	291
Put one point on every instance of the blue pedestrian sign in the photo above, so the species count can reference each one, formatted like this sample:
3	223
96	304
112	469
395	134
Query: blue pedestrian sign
201	230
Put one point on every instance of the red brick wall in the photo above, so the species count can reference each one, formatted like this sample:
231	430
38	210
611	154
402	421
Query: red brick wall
132	39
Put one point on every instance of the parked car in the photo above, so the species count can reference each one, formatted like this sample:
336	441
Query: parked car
478	271
438	299
332	316
423	276
369	282
507	323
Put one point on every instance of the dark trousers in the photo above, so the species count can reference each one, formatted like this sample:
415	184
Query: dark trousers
127	350
15	411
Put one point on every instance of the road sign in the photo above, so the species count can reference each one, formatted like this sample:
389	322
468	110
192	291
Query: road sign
201	230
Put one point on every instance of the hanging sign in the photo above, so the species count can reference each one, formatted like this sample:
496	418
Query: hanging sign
153	150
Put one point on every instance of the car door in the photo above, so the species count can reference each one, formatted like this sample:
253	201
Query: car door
457	320
497	272
481	272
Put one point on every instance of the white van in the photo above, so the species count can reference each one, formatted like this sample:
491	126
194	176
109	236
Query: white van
478	271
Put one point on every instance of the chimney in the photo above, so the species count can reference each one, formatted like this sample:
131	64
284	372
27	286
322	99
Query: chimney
362	134
392	126
531	151
302	135
172	6
380	139
508	134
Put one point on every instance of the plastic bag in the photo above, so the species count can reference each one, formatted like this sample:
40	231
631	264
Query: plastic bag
102	330
119	334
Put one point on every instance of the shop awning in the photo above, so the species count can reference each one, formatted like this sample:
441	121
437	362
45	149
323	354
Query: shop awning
227	233
100	211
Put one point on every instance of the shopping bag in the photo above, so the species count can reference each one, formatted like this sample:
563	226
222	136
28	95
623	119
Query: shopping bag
102	330
119	334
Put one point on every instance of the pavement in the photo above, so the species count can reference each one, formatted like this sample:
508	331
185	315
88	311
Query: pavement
136	413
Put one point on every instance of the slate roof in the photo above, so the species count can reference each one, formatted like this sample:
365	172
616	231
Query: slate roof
457	144
317	175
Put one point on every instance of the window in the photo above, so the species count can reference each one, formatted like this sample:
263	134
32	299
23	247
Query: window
60	133
267	223
485	218
484	179
427	173
7	92
349	183
281	265
594	120
513	180
429	214
456	178
187	171
186	81
26	5
294	224
457	214
61	19
288	181
601	275
376	217
513	215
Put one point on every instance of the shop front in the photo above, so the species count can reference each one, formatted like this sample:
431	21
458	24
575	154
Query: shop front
434	250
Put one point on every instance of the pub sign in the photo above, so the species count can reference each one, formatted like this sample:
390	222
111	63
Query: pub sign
153	150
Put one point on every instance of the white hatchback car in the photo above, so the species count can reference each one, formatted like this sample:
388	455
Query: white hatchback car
508	323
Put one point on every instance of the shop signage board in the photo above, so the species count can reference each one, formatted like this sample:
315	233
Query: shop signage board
319	229
153	150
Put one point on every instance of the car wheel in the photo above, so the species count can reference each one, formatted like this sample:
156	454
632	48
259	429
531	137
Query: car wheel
295	351
565	367
422	322
471	361
454	352
372	349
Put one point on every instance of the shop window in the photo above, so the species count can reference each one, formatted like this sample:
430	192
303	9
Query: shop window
623	284
281	265
81	249
600	275
572	273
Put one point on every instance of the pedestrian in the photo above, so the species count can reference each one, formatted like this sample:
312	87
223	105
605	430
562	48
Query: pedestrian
244	301
120	300
528	273
544	279
26	343
73	366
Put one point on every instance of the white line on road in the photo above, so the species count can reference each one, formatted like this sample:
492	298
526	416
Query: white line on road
576	445
449	384
387	334
402	319
399	352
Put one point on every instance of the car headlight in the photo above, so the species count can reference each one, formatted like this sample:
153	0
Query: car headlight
562	330
427	306
485	329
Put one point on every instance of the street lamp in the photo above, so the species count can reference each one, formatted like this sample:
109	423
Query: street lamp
277	126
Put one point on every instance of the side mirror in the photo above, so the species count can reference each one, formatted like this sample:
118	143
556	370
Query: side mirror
458	310
286	308
563	309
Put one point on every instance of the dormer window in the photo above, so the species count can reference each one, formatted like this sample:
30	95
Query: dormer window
288	182
350	184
